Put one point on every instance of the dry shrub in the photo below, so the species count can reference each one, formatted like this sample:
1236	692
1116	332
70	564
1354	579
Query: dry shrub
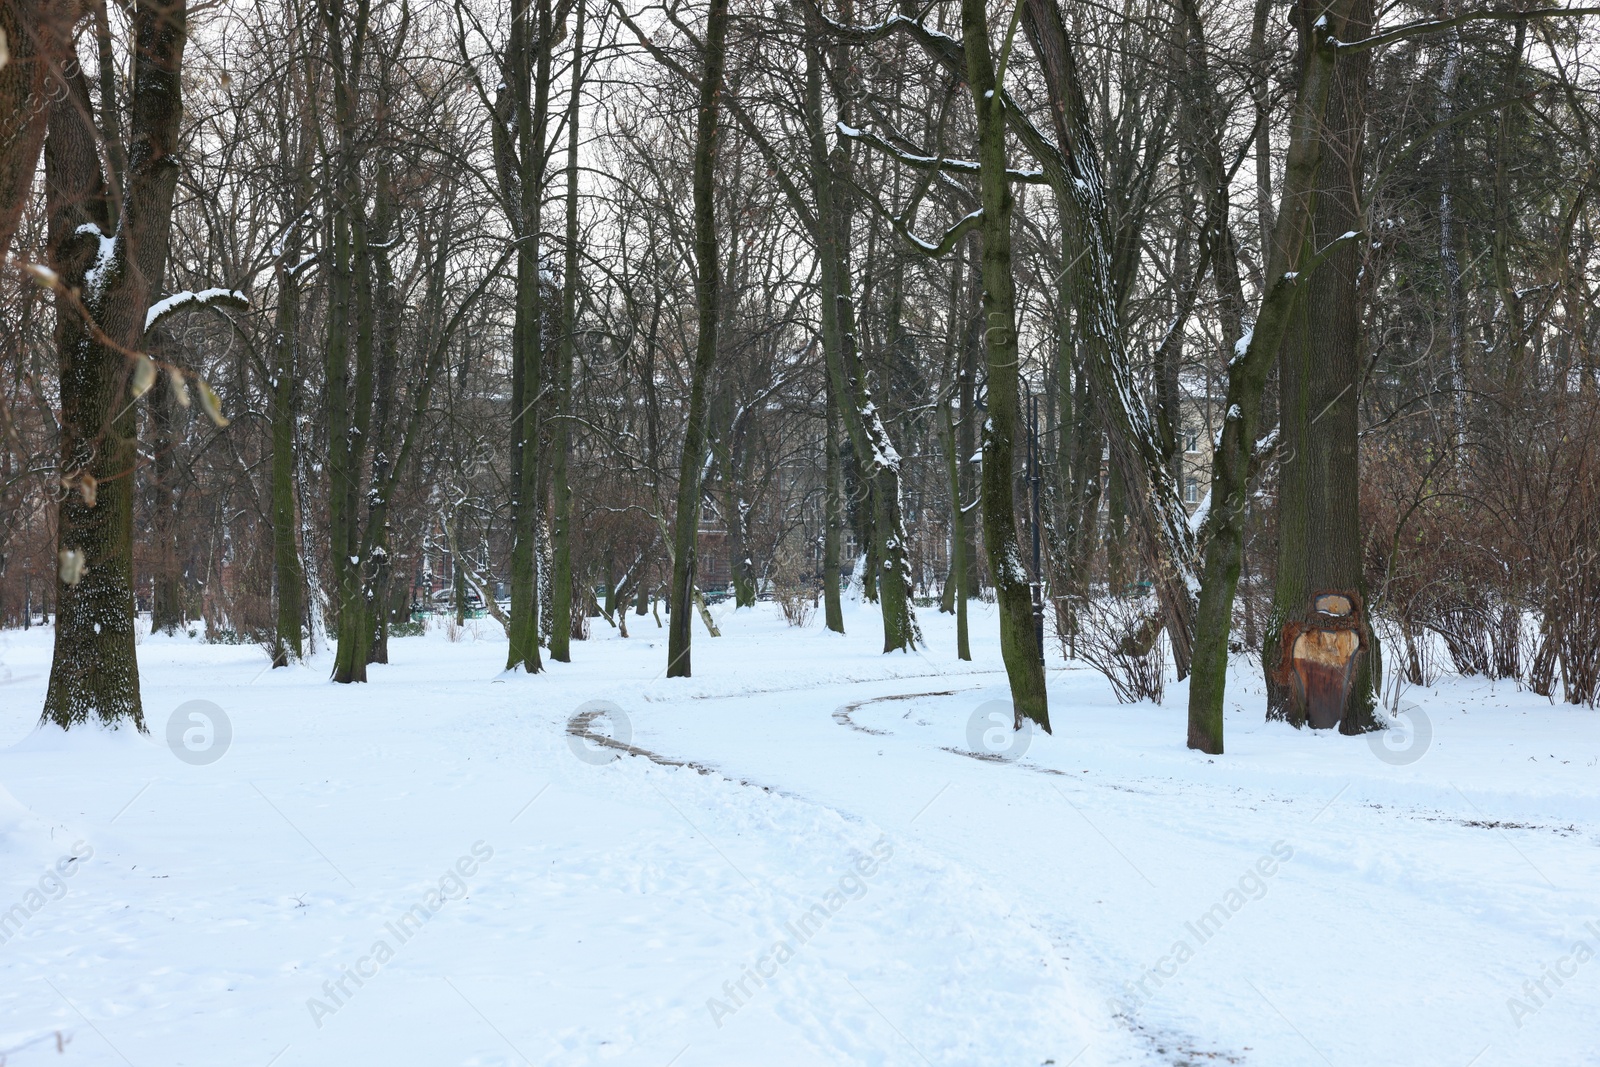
1121	637
798	606
795	596
1495	549
1546	485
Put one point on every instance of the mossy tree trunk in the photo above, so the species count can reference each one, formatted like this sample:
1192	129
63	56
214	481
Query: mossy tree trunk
529	59
1024	666
1293	268
348	304
1313	679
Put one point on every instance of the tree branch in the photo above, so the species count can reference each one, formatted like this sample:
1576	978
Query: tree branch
1418	29
910	159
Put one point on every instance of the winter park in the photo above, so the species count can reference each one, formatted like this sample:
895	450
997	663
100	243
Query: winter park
1029	533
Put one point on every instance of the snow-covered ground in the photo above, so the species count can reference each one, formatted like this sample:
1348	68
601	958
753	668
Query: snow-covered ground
429	870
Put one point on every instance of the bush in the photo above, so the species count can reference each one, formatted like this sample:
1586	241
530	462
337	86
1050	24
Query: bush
1120	636
797	604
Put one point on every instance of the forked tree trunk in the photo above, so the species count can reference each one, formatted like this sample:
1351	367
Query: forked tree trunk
1293	265
886	566
1072	165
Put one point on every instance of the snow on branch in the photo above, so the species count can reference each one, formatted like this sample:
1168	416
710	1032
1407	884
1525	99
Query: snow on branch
190	299
912	159
928	248
951	237
1426	26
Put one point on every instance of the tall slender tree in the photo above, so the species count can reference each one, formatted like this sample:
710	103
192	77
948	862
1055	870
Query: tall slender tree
528	56
561	433
691	467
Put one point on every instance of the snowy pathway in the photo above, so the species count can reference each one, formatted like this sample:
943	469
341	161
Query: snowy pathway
425	870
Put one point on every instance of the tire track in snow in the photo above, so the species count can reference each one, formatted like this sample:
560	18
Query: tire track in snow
1175	1047
840	1036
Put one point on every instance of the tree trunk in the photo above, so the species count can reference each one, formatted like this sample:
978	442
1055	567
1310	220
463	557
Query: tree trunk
1513	341
1321	656
832	510
877	462
967	427
94	673
38	34
1445	139
458	571
530	62
707	308
1293	264
345	254
167	608
287	578
1024	666
384	310
561	433
1162	523
959	570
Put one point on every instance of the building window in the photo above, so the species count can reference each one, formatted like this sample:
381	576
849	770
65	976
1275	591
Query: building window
1191	490
1191	440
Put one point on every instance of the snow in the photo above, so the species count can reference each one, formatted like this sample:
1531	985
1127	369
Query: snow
24	837
199	299
844	885
1197	519
95	278
1241	347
